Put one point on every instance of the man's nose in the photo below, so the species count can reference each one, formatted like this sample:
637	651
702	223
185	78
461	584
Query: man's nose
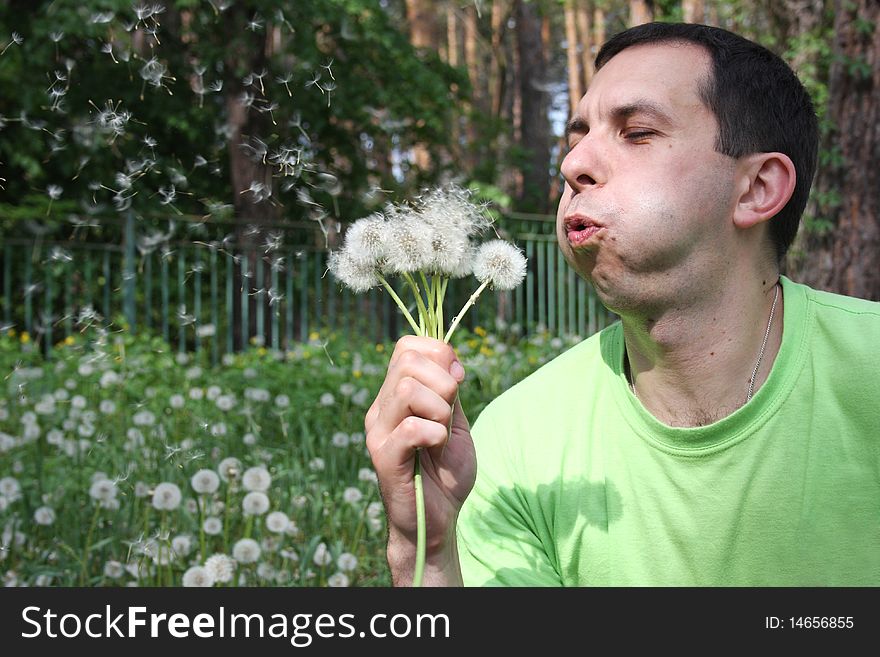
582	167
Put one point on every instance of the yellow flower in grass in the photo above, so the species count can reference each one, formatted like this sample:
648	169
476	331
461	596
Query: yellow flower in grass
11	333
380	348
486	351
314	335
262	351
69	340
25	337
479	330
357	374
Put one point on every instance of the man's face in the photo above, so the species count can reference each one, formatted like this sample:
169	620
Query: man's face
647	202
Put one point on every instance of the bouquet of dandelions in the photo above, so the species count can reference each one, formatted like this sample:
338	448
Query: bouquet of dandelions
427	244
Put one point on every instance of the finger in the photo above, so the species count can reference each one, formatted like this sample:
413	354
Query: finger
417	364
394	456
412	397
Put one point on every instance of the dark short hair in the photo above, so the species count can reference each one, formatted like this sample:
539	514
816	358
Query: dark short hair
760	104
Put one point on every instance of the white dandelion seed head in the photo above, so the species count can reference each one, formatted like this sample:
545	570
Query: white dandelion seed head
181	545
327	399
213	392
316	464
450	253
500	263
225	402
229	469
255	503
44	516
256	478
141	489
103	490
366	239
322	556
166	496
249	439
107	406
367	474
357	276
409	246
205	481
347	562
282	401
221	567
452	210
114	569
196	394
246	550
340	439
10	488
176	401
338	580
198	577
352	495
277	522
218	430
374	510
212	525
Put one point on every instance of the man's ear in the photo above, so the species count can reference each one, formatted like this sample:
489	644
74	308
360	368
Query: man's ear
767	182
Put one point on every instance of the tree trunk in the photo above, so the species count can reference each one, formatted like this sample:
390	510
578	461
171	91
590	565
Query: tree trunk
640	12
422	34
498	65
575	87
693	11
582	17
846	259
535	123
598	27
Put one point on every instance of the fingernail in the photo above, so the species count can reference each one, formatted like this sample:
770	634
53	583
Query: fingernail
456	370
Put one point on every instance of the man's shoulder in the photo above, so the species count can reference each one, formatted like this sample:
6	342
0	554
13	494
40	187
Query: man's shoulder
571	371
830	302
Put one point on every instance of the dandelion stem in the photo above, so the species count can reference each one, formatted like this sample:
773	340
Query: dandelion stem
423	311
88	547
399	303
420	522
470	302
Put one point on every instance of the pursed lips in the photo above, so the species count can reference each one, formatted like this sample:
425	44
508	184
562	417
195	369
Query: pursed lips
580	229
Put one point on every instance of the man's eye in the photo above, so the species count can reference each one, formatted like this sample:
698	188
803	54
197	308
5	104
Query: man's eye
638	135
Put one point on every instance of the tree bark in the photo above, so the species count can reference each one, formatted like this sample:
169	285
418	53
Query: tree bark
585	33
535	123
693	11
598	27
422	34
846	259
640	12
575	86
498	65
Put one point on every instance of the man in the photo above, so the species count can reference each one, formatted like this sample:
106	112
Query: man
726	431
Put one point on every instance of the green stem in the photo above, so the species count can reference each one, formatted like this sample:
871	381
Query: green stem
88	548
423	311
420	522
470	302
431	323
400	304
441	295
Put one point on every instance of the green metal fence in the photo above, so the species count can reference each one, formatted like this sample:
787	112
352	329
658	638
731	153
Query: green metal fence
205	295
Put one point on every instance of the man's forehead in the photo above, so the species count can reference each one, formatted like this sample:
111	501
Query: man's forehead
658	79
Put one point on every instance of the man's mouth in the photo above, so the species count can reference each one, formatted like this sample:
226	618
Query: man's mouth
580	230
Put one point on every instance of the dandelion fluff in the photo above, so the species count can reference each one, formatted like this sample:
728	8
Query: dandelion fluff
366	239
229	469
322	556
198	577
221	567
338	580
409	246
167	496
205	481
255	503
256	478
347	562
44	516
247	550
212	526
277	522
355	275
500	264
450	209
450	251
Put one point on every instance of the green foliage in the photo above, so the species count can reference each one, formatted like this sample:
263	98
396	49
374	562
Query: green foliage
126	410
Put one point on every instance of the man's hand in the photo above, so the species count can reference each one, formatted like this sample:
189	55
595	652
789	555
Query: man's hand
415	408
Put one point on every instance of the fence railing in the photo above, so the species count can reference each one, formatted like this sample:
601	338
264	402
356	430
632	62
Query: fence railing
208	294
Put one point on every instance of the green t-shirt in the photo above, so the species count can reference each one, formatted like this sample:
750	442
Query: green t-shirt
579	485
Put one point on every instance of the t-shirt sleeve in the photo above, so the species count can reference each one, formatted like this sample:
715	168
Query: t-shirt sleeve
498	542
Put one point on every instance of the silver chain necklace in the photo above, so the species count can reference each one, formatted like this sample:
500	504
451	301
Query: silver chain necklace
632	383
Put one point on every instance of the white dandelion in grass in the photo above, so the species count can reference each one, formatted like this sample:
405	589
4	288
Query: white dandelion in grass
256	478
255	503
427	244
167	496
212	526
277	522
205	482
44	516
338	580
322	556
230	469
198	577
221	567
246	550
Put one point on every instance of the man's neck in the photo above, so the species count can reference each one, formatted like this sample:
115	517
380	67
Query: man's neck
693	365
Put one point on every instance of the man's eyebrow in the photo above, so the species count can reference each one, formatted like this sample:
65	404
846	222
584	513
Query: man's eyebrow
646	107
577	125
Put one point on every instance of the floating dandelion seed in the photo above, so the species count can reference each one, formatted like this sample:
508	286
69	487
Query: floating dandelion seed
15	40
286	82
